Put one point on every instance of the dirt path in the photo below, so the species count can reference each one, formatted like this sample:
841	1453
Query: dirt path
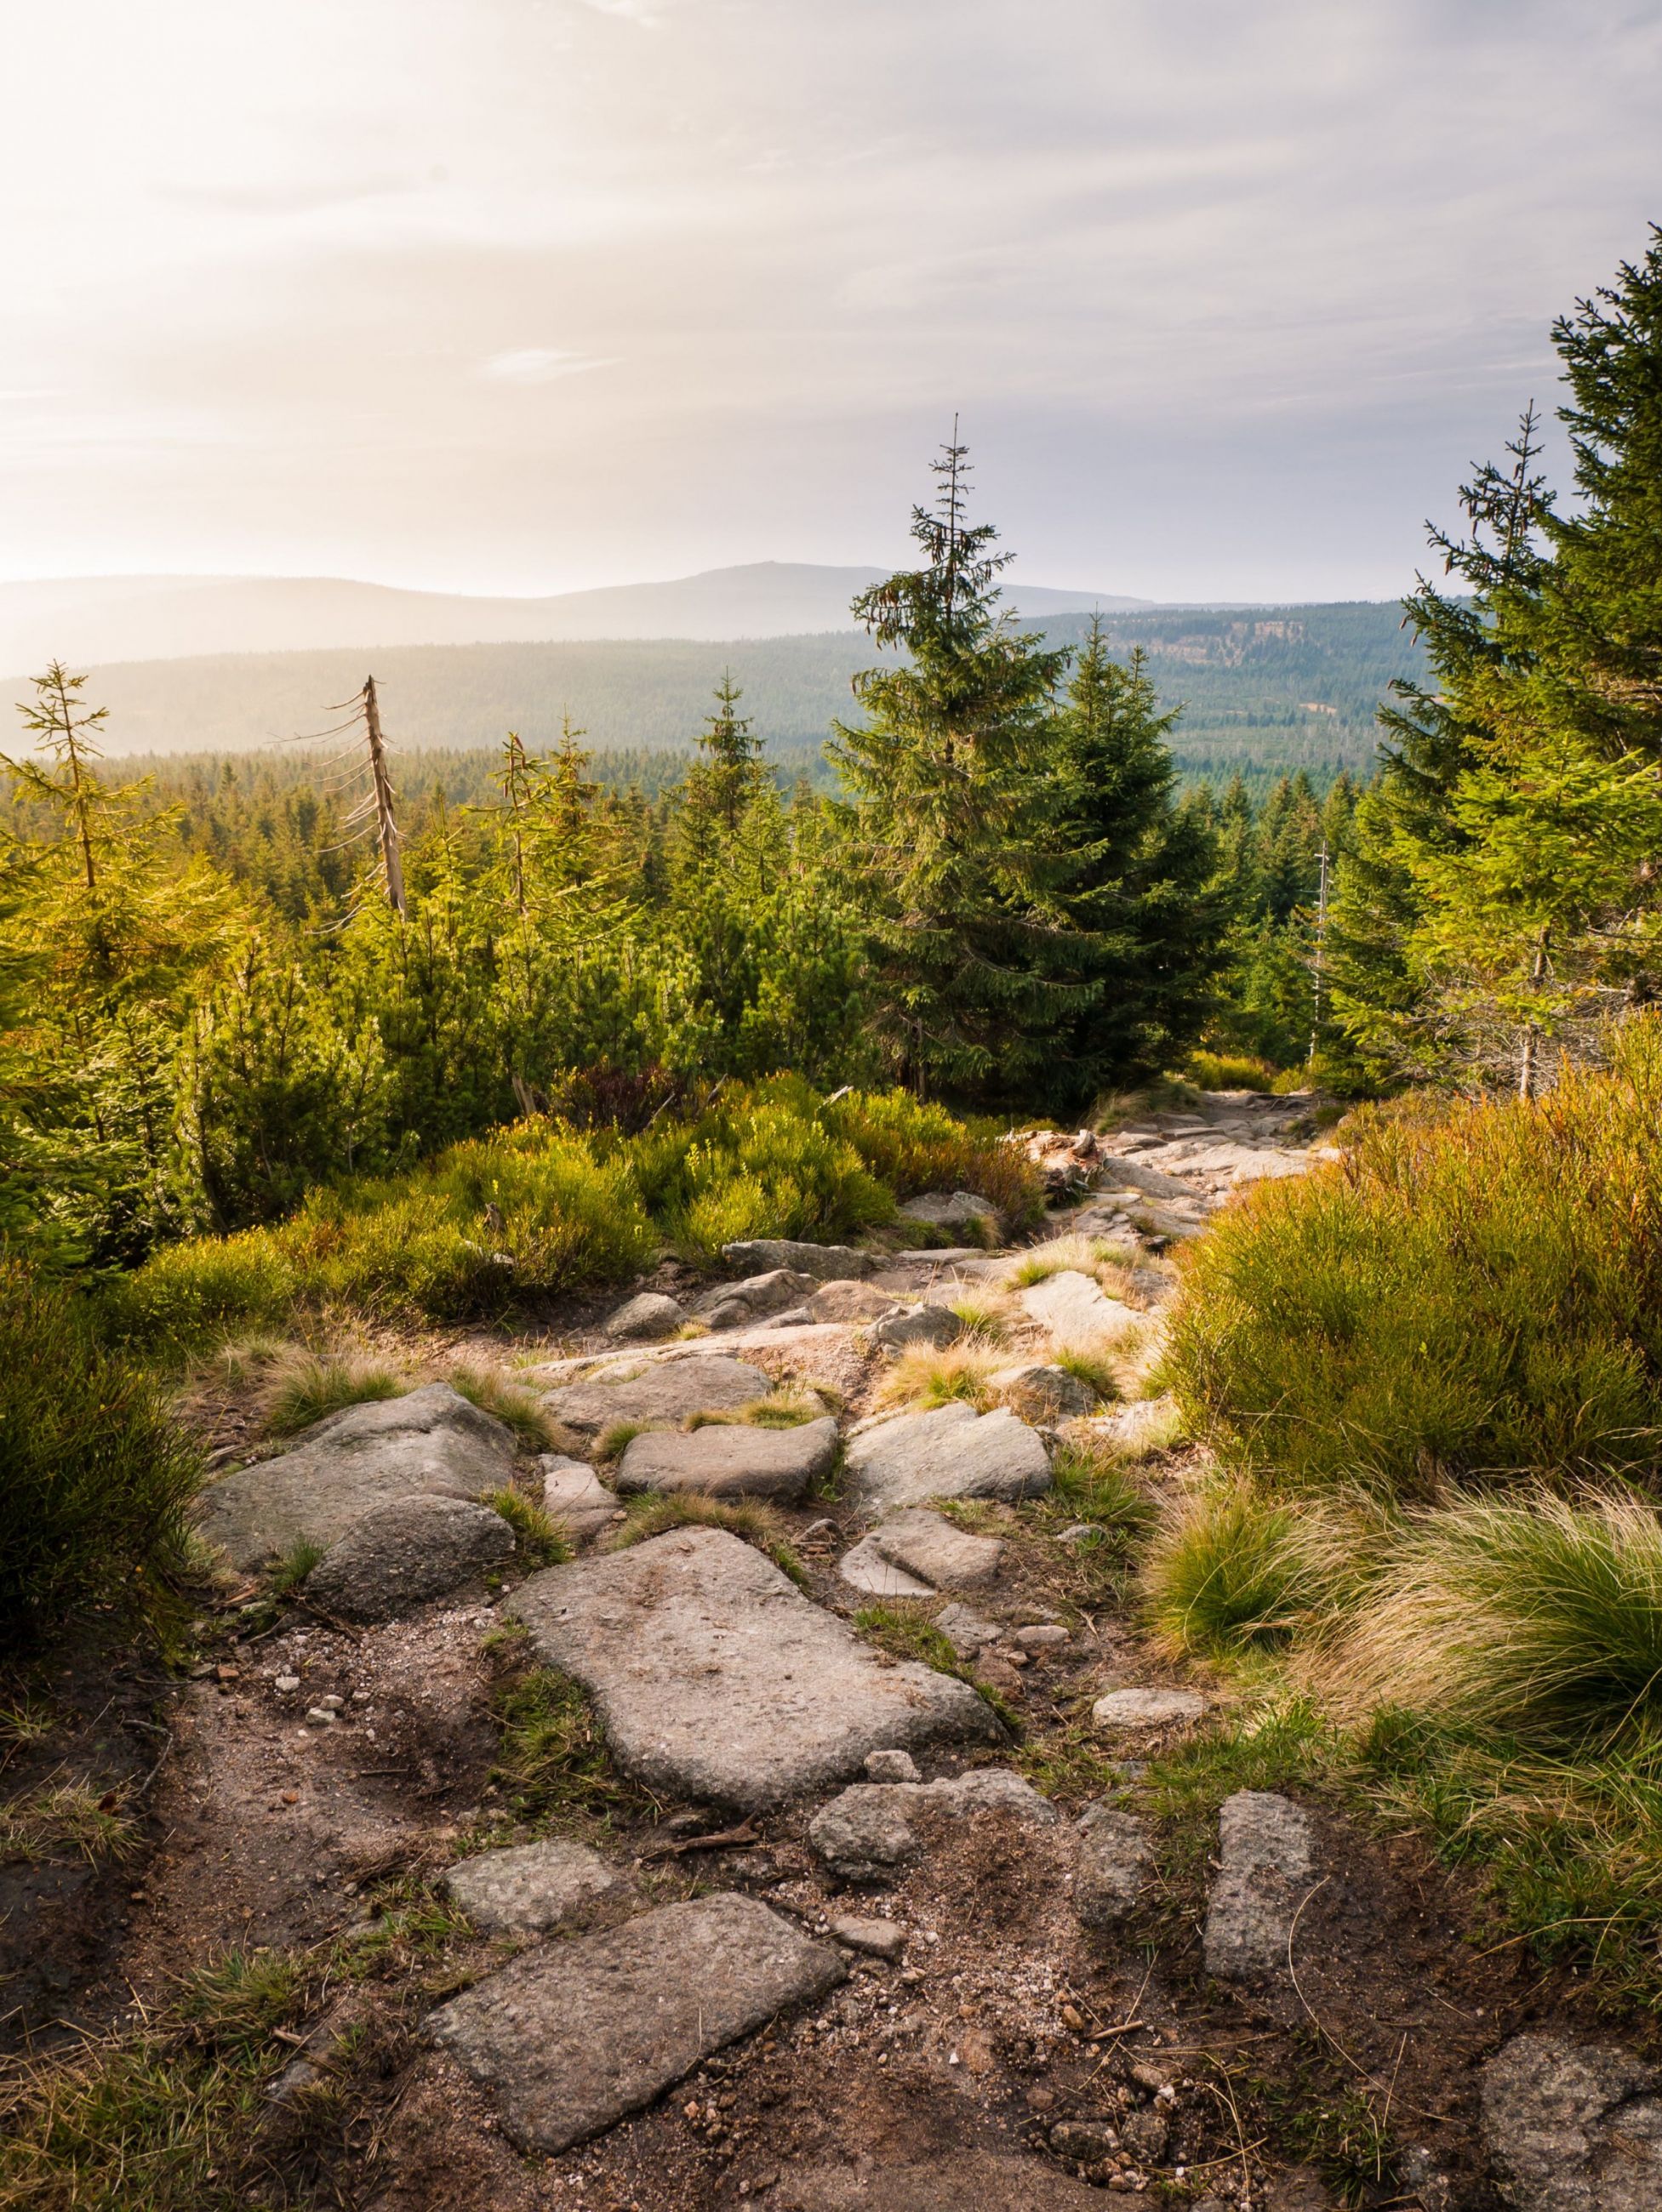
790	1975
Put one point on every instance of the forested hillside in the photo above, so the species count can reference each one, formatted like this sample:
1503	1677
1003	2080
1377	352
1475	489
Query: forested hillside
1263	691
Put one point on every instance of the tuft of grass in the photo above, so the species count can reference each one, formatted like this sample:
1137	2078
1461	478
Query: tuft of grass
904	1630
1231	1569
986	1319
655	1513
307	1388
782	1410
1090	1483
1090	1364
616	1440
514	1407
1473	1293
552	1763
1225	1071
1533	1616
923	1377
95	1478
68	1820
289	1572
538	1539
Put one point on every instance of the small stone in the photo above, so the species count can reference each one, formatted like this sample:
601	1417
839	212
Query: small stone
823	1263
877	1939
892	1766
935	1325
937	1550
1040	1391
865	1568
850	1302
650	1315
1146	1709
1076	1310
1146	2134
530	1887
1115	1857
333	1702
287	1683
966	1631
731	1460
575	1496
702	1382
960	1211
1265	1867
867	1833
1042	1636
319	1717
1084	2143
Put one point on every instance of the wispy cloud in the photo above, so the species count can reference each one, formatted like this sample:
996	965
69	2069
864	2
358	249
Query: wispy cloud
538	364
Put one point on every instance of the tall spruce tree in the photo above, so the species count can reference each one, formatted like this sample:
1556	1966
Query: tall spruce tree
975	963
1151	930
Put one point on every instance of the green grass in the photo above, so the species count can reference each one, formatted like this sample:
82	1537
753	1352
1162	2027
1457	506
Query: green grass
1092	1484
289	1575
1474	1295
538	1540
781	1411
1097	1368
514	1407
68	1821
1233	1569
552	1765
615	1440
95	1479
986	1319
654	1514
1229	1070
307	1388
923	1377
167	2119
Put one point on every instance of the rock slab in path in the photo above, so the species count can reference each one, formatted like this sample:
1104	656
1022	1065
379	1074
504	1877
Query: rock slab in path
430	1443
650	1315
826	1263
717	1680
530	1887
932	1547
730	1459
868	1832
1040	1391
952	1452
960	1210
667	1392
958	2181
1115	1857
1572	2127
575	1496
1148	1708
1074	1307
572	2036
731	1305
935	1325
404	1553
850	1302
1264	1858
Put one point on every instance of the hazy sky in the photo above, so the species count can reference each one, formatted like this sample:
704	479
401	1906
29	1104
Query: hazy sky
530	295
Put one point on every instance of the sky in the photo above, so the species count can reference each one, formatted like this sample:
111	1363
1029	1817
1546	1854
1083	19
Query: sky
528	295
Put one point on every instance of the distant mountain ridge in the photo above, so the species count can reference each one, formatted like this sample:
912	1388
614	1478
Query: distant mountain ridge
87	621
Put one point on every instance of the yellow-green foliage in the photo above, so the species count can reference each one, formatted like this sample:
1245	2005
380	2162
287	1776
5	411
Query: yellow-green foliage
1226	1070
420	1245
916	1147
1475	1291
305	1388
1233	1569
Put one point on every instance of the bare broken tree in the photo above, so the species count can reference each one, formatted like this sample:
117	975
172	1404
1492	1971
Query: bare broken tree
373	814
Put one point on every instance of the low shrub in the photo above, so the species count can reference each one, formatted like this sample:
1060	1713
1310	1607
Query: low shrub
764	1166
1475	1293
1533	1616
95	1479
916	1147
1229	1070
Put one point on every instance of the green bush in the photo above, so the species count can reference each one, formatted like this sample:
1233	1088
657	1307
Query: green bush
765	1166
95	1480
1227	1070
916	1147
1475	1292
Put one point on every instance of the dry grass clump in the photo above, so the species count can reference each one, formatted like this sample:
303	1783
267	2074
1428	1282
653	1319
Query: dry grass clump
988	1315
1533	1616
782	1409
923	1377
1098	1257
68	1820
656	1513
511	1403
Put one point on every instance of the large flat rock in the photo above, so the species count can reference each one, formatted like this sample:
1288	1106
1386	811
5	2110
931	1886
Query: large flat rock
730	1459
572	2036
407	1550
1264	1860
952	1452
715	1679
431	1443
668	1390
937	1550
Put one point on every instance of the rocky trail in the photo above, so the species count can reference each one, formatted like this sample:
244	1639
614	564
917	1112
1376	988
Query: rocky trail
799	1855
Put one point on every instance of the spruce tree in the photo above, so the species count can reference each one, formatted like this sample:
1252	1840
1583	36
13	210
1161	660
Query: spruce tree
1140	867
975	964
